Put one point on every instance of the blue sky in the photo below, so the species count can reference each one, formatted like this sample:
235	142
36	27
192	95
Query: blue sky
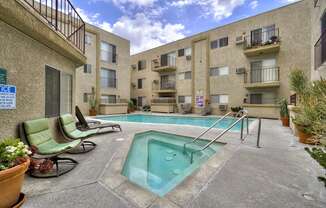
151	23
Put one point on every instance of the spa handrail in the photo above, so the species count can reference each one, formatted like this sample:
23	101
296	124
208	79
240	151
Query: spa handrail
202	134
221	134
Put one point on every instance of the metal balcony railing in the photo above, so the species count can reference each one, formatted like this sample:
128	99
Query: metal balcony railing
262	37
63	18
320	51
167	85
164	100
263	75
109	82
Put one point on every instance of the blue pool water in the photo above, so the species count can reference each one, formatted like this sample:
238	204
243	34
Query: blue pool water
179	120
156	160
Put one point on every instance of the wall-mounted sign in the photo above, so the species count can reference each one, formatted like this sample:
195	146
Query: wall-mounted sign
3	76
7	97
200	101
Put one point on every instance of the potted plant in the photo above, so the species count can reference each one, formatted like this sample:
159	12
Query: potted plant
131	106
14	162
92	103
235	110
284	112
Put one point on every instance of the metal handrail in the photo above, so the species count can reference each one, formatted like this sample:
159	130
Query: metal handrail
220	135
212	126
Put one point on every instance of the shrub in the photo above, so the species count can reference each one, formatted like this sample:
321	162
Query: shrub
284	112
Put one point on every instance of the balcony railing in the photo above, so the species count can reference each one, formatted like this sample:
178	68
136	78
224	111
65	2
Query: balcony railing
164	100
262	38
109	82
63	18
320	51
265	75
167	85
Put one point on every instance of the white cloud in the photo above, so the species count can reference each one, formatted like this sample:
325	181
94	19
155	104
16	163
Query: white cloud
254	4
219	9
143	32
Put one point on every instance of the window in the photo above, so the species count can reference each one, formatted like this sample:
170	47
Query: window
224	42
108	99
184	99
88	39
184	75
181	52
188	51
262	35
141	101
87	68
256	98
168	59
141	65
58	92
220	99
140	83
219	71
108	78
108	52
214	44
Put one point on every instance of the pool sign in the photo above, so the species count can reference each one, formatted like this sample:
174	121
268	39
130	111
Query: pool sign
7	97
3	76
200	101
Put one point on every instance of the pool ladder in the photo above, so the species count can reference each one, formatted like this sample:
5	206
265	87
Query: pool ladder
244	115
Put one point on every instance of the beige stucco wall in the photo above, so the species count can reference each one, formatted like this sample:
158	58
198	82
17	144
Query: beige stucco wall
317	13
85	82
293	22
24	58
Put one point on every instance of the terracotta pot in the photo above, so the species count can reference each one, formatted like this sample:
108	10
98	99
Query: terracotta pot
11	181
285	121
92	112
304	137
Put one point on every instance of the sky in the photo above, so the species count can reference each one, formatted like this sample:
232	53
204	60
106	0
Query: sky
151	23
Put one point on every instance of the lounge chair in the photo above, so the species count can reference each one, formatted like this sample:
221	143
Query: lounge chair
84	124
207	110
69	130
37	134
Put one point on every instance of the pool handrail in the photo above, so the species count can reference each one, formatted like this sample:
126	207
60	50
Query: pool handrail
245	115
204	132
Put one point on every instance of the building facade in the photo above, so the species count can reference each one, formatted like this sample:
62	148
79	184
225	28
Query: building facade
245	63
38	56
318	39
106	72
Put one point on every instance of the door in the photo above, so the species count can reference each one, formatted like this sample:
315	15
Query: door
256	37
269	73
256	72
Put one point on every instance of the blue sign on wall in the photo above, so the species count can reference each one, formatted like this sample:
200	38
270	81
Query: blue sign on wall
7	97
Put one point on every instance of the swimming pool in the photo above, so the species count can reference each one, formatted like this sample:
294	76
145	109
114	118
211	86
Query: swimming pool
156	160
178	120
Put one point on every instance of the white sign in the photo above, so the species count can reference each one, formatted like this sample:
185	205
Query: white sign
7	97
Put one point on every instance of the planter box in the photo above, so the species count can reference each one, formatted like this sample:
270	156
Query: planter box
118	108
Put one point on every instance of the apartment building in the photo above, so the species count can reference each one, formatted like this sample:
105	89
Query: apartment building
106	73
318	39
245	63
38	56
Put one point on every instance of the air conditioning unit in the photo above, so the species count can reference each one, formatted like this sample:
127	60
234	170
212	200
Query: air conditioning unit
223	107
188	58
241	70
133	67
239	40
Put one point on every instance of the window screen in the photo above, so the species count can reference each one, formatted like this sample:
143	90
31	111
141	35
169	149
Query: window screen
52	92
214	44
181	52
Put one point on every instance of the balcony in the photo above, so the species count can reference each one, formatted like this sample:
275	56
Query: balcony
263	78
62	17
262	42
164	87
320	51
169	66
163	100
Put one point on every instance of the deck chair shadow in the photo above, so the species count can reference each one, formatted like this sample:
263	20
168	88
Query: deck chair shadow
36	133
84	124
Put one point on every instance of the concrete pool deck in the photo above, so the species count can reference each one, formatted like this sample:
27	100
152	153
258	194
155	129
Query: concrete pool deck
280	174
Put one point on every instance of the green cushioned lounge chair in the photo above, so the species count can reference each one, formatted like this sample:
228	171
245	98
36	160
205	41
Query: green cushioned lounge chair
37	133
69	129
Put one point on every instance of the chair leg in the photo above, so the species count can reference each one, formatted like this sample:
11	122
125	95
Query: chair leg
86	146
